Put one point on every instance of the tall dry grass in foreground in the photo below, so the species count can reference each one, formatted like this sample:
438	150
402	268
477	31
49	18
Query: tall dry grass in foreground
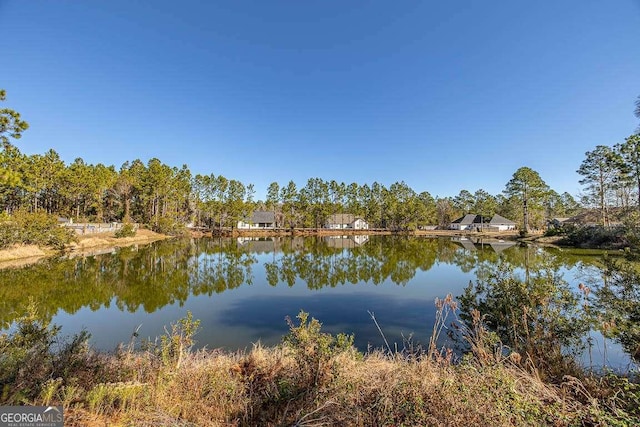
312	379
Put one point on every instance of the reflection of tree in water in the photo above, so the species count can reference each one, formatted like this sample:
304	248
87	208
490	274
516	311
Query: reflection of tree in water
320	264
534	312
150	277
169	272
616	300
224	265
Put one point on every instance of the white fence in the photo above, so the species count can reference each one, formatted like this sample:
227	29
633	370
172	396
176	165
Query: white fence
95	227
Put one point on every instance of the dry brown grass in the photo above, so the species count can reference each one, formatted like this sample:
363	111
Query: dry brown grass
109	239
315	379
259	388
21	251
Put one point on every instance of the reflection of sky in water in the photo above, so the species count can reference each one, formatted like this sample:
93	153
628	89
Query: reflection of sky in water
236	318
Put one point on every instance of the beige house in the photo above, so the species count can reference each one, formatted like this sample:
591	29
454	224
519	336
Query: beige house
477	222
346	221
260	220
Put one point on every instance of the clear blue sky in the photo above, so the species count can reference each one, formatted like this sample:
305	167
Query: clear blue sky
443	95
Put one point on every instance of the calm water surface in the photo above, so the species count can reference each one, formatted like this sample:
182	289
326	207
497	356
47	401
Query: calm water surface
242	289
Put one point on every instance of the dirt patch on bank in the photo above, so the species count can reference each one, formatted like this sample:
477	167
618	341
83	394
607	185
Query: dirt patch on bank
98	240
15	252
10	255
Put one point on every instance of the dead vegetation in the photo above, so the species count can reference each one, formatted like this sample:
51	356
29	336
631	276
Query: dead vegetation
311	379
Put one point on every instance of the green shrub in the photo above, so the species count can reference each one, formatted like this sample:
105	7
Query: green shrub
9	234
127	230
34	228
314	350
170	226
34	354
596	237
176	343
538	315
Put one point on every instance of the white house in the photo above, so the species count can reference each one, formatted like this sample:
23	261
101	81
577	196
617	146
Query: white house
346	221
478	222
467	222
501	223
260	220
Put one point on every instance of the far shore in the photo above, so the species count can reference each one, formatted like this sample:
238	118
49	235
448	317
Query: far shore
90	244
98	243
508	235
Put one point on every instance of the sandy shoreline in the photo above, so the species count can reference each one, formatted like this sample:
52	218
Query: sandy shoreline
21	255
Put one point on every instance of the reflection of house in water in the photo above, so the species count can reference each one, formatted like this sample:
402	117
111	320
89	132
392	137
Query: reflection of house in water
258	244
270	244
464	242
346	242
472	244
500	245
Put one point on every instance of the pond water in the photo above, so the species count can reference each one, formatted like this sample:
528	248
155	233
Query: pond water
242	289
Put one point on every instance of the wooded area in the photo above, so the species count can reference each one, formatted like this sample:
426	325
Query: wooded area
166	198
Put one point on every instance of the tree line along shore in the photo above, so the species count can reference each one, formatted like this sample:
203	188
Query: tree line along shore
167	198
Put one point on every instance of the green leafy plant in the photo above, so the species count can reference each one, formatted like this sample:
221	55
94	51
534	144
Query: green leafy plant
34	228
537	315
178	341
34	354
127	230
170	226
313	350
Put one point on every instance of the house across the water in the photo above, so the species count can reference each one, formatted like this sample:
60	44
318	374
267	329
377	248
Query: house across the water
260	220
346	221
478	222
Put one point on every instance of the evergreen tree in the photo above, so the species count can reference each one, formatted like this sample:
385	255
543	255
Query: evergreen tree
601	169
11	123
527	186
630	156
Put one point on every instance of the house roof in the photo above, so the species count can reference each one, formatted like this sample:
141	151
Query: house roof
500	220
342	219
470	219
260	217
467	219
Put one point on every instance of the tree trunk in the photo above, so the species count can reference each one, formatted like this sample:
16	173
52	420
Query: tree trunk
638	175
127	207
525	212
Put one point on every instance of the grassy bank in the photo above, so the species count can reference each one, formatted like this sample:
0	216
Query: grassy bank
311	379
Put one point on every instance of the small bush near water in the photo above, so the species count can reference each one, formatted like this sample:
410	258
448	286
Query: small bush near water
127	230
170	226
36	364
33	228
312	378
